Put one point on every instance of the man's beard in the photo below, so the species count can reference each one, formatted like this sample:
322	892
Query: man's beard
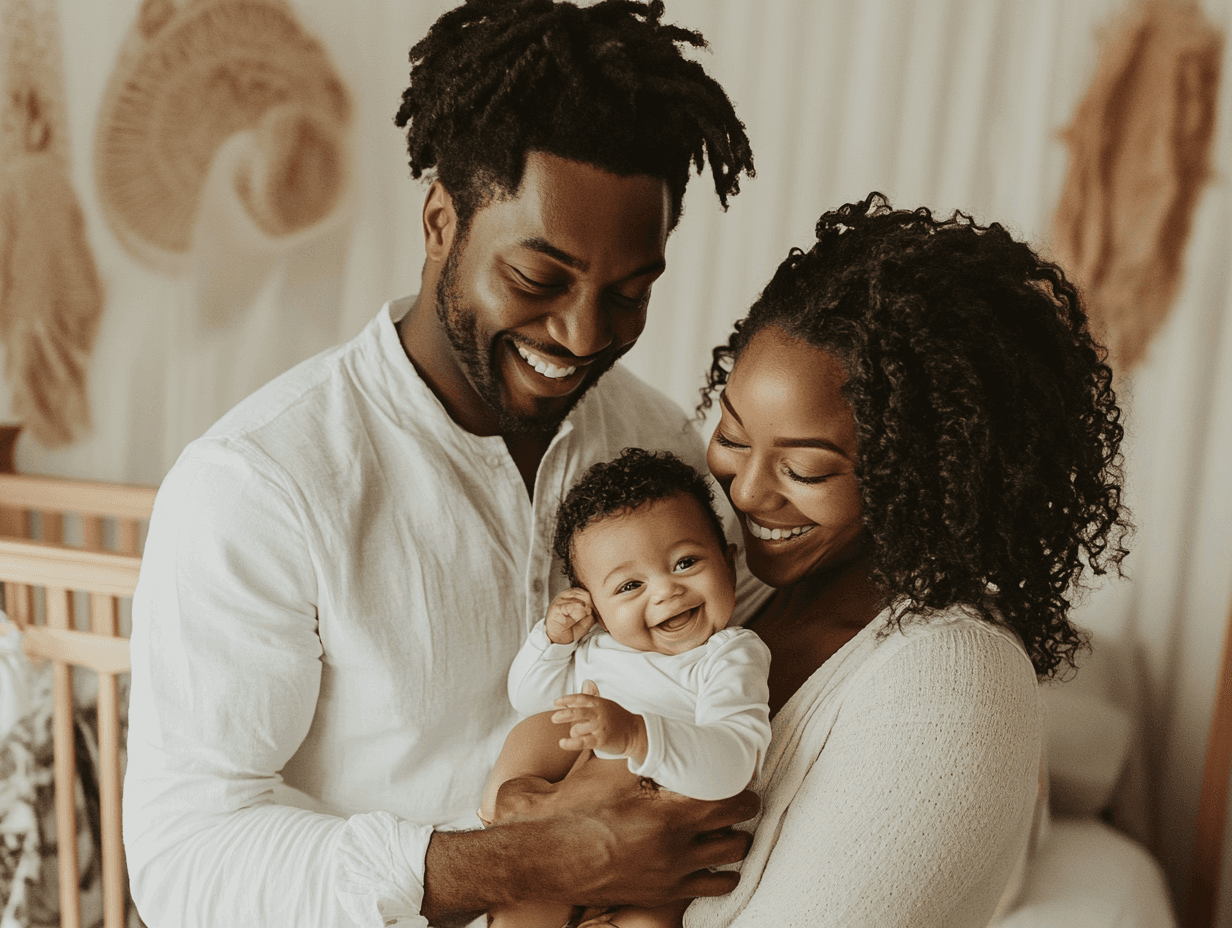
477	356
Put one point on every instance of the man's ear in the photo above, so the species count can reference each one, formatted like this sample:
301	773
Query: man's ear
440	222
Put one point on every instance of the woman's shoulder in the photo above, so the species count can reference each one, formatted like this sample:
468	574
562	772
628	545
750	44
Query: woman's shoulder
953	654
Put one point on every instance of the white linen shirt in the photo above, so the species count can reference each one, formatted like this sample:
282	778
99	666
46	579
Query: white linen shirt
705	709
335	582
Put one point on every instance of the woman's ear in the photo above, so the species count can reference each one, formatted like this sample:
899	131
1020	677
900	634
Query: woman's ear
440	222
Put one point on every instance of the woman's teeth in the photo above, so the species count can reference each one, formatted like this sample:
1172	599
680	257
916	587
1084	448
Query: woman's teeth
776	534
543	367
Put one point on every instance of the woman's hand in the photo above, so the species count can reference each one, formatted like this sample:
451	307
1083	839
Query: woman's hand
598	724
569	617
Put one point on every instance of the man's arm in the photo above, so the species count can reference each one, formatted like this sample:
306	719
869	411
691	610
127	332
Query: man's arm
600	837
226	675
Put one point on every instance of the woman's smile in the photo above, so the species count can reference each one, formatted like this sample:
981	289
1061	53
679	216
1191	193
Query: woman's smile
769	533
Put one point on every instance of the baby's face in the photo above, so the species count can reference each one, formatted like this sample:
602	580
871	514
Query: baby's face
659	578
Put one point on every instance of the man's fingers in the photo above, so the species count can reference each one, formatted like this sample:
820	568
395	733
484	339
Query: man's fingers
727	812
718	849
709	883
590	688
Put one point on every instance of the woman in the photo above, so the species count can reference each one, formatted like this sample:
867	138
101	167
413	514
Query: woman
920	439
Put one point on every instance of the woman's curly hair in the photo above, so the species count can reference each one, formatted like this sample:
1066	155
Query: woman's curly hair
604	84
988	429
635	478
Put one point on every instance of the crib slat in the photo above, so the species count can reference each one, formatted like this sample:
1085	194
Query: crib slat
59	616
105	620
19	603
53	527
127	532
92	533
109	800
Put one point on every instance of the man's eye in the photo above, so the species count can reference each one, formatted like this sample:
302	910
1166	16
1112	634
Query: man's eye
532	282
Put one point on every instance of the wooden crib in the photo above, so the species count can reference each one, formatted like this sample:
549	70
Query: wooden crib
66	600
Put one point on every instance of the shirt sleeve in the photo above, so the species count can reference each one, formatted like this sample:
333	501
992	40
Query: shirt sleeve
541	672
226	669
716	754
920	804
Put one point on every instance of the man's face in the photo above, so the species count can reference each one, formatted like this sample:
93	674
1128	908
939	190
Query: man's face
550	287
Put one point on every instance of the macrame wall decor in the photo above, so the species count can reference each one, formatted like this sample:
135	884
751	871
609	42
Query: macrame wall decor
50	298
1139	156
204	77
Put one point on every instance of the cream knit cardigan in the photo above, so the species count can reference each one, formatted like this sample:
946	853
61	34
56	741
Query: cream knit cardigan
902	786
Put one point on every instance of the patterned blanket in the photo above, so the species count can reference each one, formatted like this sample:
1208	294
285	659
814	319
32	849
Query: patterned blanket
29	870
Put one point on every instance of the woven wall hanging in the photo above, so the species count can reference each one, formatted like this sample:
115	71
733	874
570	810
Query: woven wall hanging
50	298
191	76
1139	155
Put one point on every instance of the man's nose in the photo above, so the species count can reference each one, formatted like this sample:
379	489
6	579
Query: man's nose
583	325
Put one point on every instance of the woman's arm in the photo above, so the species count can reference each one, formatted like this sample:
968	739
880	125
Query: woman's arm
920	802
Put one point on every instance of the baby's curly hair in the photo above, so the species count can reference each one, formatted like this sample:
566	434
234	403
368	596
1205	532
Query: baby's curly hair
988	429
604	84
635	478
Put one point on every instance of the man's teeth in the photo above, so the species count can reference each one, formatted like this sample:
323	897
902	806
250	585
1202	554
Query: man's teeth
776	534
543	367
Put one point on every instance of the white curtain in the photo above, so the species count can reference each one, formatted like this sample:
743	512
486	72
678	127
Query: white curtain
944	103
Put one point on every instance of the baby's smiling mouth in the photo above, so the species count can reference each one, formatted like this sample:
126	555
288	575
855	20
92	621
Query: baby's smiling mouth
679	620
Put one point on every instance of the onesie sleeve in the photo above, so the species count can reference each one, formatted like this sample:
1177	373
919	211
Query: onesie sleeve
226	671
919	804
717	753
541	672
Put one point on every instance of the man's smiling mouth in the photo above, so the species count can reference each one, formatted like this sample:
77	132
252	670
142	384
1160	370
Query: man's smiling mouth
542	366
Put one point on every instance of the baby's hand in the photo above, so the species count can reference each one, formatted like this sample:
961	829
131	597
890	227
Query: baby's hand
599	724
570	616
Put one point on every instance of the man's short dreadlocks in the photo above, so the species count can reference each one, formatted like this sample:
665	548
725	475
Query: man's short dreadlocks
604	84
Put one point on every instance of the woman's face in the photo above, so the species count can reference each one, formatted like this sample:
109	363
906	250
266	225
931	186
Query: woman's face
784	452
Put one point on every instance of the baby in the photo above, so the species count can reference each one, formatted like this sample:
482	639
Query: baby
681	697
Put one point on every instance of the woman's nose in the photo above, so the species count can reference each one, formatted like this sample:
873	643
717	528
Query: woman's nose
750	487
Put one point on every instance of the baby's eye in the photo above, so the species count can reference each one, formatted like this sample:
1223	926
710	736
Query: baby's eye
685	563
628	587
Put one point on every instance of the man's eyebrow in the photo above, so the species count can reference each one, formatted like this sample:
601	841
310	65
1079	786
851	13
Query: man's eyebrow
822	443
544	247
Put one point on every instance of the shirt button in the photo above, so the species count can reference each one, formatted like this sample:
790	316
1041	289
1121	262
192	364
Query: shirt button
537	586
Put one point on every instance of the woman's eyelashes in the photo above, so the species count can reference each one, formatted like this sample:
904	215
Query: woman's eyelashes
788	471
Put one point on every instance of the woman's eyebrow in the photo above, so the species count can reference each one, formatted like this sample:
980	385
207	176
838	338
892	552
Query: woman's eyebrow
728	406
823	443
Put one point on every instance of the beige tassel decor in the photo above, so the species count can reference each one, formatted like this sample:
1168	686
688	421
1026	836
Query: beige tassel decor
1139	155
50	298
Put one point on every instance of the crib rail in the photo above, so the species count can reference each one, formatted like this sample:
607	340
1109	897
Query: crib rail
41	580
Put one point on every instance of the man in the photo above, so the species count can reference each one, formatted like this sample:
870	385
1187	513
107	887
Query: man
340	571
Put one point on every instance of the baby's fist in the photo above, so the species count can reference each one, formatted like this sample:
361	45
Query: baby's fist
570	616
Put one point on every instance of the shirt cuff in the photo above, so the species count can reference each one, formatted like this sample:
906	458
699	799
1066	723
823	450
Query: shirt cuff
654	748
381	879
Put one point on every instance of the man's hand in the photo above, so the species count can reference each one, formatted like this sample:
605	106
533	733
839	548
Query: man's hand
570	616
598	724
